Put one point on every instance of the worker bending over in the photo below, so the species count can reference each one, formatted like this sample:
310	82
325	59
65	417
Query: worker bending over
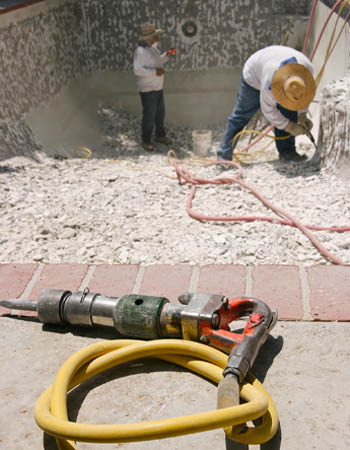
279	80
148	68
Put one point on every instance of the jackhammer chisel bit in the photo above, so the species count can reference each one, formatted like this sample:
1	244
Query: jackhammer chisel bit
23	305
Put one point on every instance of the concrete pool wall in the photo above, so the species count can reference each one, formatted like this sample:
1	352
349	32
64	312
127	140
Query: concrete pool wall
62	59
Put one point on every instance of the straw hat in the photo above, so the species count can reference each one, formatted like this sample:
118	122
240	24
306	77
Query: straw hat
293	86
148	31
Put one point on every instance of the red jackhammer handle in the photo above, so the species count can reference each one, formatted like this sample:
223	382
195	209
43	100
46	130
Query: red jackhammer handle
243	347
261	321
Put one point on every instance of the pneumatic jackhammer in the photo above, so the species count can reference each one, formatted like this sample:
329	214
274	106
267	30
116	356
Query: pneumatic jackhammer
199	317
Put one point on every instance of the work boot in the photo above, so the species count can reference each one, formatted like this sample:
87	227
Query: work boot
147	146
224	167
164	140
292	157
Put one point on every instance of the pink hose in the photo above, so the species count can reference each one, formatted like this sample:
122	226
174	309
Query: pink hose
184	176
245	149
323	28
308	30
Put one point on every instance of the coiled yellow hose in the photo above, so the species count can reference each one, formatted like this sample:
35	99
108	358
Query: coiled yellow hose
242	156
51	408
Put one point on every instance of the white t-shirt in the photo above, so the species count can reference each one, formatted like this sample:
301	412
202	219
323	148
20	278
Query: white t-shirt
258	72
146	61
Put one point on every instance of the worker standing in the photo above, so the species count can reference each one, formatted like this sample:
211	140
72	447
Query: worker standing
279	80
149	71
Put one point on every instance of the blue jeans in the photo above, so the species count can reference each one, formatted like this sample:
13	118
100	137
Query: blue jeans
153	113
247	104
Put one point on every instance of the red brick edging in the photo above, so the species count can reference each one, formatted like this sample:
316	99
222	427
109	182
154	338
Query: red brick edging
299	293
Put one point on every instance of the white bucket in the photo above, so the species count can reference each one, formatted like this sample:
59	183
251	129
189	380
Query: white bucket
201	142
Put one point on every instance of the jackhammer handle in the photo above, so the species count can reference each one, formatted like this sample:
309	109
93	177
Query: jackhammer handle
309	134
255	306
262	319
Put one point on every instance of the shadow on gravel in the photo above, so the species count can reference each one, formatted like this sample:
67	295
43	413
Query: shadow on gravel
294	170
6	169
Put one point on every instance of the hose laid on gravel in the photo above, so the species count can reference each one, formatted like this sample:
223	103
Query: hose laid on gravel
185	176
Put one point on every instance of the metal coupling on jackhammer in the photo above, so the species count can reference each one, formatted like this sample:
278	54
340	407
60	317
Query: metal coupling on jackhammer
131	315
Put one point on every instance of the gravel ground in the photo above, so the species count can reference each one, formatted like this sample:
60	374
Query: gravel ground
123	205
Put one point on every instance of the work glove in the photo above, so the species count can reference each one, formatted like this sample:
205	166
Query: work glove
159	71
294	129
305	122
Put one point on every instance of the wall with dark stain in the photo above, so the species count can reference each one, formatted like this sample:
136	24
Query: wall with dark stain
40	52
45	46
226	31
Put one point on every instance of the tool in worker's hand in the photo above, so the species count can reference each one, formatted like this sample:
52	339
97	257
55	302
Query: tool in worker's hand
172	51
315	160
309	135
199	317
312	139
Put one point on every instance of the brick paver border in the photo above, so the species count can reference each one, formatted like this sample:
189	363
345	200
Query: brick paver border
319	293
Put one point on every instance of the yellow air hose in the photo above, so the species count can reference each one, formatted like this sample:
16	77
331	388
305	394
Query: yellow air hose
244	157
51	408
